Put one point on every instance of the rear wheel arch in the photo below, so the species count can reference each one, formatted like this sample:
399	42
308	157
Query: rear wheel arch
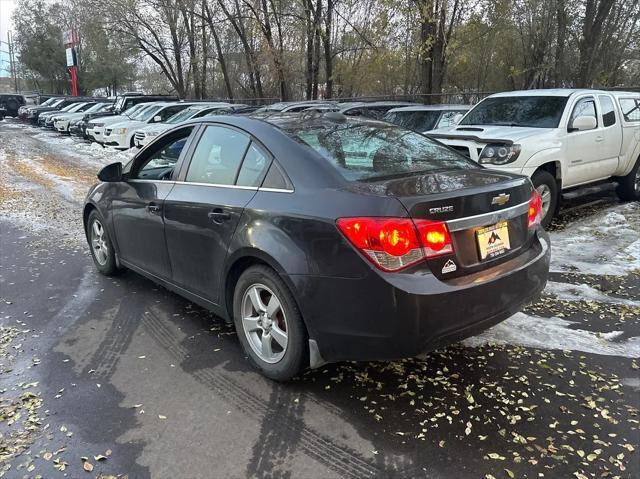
245	261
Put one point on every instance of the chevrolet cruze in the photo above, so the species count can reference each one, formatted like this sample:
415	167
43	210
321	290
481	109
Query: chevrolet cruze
322	237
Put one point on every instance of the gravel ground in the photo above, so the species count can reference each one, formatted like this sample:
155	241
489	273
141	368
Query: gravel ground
118	377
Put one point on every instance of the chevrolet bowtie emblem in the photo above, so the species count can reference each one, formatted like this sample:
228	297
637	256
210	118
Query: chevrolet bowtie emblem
501	199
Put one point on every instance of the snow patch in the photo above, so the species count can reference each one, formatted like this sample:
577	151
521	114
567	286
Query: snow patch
584	292
604	244
555	333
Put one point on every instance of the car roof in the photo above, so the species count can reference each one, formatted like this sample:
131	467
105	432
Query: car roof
430	108
373	104
561	92
625	94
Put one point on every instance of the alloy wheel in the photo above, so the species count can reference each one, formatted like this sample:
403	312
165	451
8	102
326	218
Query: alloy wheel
264	323
545	195
99	243
637	181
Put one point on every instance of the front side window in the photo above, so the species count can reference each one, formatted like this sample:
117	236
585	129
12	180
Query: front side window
364	151
218	156
525	111
160	163
584	107
146	113
170	111
630	109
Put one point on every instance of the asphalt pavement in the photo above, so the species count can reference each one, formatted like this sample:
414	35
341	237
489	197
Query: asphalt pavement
117	377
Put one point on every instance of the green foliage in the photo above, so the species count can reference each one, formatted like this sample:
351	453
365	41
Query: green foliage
39	44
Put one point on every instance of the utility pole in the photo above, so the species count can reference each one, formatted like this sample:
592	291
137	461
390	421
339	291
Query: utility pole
12	64
71	41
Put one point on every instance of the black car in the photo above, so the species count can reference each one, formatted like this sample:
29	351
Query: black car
323	237
10	103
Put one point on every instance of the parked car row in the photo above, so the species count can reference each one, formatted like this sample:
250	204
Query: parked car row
560	138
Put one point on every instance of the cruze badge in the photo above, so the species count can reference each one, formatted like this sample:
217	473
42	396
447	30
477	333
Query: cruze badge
441	209
501	199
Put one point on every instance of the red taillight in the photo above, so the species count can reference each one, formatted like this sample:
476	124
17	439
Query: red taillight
535	209
435	238
395	243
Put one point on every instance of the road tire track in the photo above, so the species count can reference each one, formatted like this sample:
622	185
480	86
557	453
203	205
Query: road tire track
338	458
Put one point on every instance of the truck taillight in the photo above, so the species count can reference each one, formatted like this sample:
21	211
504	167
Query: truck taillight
393	244
535	209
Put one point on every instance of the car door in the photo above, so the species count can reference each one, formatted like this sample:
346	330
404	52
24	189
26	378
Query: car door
583	147
611	142
138	204
205	206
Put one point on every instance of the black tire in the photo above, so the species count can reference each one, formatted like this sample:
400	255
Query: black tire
295	357
106	264
629	186
545	179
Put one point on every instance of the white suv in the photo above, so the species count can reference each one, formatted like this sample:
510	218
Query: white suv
144	135
121	135
560	138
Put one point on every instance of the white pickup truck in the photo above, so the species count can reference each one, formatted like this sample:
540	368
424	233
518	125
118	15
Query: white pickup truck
560	138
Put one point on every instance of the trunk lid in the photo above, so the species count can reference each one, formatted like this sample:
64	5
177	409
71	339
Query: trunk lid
468	201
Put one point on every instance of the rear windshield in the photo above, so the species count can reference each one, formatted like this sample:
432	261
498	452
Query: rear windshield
527	111
367	151
414	120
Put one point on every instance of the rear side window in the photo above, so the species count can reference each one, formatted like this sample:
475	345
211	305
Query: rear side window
218	156
253	167
364	151
630	109
608	111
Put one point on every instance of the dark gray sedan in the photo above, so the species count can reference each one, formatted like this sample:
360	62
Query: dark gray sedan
322	237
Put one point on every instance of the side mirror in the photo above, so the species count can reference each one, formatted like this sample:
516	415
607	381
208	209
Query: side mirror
111	173
457	118
584	123
157	119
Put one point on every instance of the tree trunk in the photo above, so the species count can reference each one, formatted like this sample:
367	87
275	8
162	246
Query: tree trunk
328	54
560	69
595	15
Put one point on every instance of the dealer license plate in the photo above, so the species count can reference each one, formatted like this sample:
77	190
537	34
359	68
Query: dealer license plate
493	240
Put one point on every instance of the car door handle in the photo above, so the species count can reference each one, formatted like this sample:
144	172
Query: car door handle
153	209
219	216
599	139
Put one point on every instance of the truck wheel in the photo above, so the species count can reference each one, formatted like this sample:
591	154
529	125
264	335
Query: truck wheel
546	184
629	186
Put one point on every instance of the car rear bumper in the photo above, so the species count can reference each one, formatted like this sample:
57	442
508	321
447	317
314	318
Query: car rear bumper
393	316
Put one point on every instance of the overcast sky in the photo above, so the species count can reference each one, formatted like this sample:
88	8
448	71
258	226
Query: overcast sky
6	9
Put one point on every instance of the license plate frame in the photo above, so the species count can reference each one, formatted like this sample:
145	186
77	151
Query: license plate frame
493	240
